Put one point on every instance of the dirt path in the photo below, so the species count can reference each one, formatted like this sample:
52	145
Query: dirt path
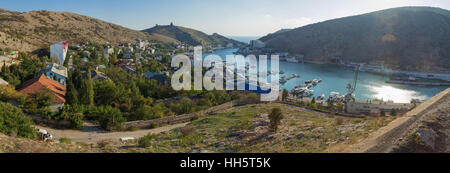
386	138
91	133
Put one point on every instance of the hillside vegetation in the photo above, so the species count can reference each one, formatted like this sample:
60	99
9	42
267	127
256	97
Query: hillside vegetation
191	36
37	29
408	38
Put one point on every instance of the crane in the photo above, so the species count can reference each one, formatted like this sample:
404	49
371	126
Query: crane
350	96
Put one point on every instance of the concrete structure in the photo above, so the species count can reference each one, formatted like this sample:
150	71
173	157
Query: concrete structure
374	108
56	72
58	52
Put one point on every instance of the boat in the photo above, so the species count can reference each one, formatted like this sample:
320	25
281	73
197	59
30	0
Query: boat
308	82
321	97
308	93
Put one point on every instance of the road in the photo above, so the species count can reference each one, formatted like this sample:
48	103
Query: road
92	134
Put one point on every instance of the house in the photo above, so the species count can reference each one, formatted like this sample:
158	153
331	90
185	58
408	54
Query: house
3	82
39	84
96	76
108	51
128	69
375	108
156	76
58	52
56	72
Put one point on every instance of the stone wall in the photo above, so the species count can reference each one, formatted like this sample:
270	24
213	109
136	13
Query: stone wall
144	124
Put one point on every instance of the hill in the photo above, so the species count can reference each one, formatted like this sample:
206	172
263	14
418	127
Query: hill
408	38
36	29
191	36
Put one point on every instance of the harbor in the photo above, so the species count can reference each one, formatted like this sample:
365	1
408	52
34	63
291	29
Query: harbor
336	77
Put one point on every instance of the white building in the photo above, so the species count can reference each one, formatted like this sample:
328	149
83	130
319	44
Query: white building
359	107
58	52
55	72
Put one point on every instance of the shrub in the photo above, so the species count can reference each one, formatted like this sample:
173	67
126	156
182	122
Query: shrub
65	140
339	121
186	130
146	141
275	119
393	112
76	121
190	140
153	126
382	113
13	121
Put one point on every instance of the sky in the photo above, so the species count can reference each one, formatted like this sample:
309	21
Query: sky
226	17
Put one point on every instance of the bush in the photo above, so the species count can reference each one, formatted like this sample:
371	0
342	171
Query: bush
76	121
13	121
339	121
382	113
111	118
190	140
393	112
146	141
275	119
153	126
65	140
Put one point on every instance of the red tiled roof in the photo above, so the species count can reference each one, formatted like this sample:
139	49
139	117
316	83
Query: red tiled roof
40	83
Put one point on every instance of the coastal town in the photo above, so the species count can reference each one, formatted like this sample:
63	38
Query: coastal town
100	87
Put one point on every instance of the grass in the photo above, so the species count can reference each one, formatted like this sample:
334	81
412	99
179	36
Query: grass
321	132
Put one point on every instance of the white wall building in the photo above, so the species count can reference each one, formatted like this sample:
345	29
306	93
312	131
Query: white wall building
58	52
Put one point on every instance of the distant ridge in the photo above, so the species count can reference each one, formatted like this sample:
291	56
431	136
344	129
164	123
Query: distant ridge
37	29
191	36
415	38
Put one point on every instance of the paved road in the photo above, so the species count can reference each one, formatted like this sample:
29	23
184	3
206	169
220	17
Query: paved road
92	134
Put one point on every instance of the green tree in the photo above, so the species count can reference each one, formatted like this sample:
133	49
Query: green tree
285	94
88	91
275	118
105	92
14	122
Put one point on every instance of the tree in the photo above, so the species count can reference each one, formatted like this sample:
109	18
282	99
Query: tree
382	112
285	95
275	119
88	91
105	93
71	94
14	122
111	118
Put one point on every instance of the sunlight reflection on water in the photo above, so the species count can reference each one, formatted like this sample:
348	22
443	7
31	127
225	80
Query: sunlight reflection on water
397	95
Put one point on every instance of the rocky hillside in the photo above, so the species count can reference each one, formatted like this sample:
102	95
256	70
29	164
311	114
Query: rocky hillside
36	29
191	36
408	37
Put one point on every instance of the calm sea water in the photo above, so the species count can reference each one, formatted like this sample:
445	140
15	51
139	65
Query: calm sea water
335	79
